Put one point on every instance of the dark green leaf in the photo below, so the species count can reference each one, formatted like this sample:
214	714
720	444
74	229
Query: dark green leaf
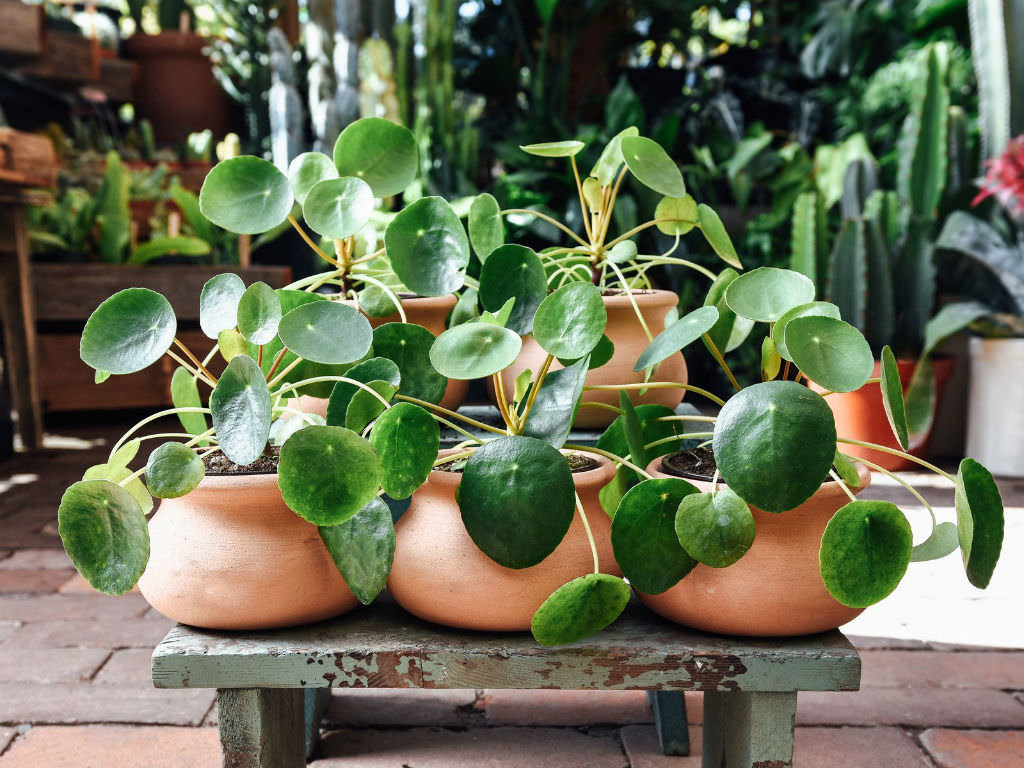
551	415
652	166
920	399
173	470
486	230
813	308
218	303
363	548
830	352
682	332
246	195
580	608
374	369
847	469
406	438
474	350
129	331
428	247
633	430
892	398
716	528
364	407
259	313
951	319
327	332
381	153
513	271
185	394
570	322
241	410
979	521
408	345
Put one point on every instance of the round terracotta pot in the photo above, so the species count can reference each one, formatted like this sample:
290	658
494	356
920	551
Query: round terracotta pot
231	555
860	415
775	589
630	341
440	575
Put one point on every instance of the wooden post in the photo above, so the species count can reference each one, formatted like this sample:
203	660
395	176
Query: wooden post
262	727
669	708
748	729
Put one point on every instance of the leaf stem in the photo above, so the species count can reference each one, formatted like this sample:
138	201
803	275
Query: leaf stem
842	484
666	259
676	438
549	219
154	417
317	379
659	385
583	202
499	395
708	419
285	371
277	362
913	491
632	300
537	384
607	455
895	452
309	242
397	302
590	534
196	373
715	353
438	409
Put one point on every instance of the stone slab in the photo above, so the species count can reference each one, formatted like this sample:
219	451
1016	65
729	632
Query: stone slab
916	707
6	737
995	669
856	748
640	743
22	581
473	748
121	633
126	667
88	703
31	664
562	708
107	746
7	628
41	559
868	643
94	607
974	749
375	707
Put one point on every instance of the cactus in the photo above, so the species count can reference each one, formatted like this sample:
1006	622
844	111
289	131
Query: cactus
169	14
998	53
114	216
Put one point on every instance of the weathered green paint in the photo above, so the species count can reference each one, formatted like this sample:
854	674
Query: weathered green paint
261	728
315	703
748	729
669	708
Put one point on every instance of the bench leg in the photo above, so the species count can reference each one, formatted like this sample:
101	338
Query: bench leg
669	709
262	727
748	729
316	701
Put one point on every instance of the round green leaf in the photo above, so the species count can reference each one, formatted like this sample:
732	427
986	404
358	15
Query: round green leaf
513	271
570	322
683	331
607	166
218	303
622	252
774	443
259	313
474	350
892	398
830	352
715	233
327	332
979	521
677	215
652	166
716	528
338	208
240	404
644	535
246	195
363	548
374	369
486	230
346	477
381	153
406	438
428	247
307	170
813	308
364	407
580	608
408	345
128	332
864	552
517	499
767	293
553	148
105	534
119	473
943	540
231	344
173	470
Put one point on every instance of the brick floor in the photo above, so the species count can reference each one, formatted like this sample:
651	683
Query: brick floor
856	748
121	633
963	708
6	736
975	749
27	664
995	669
113	746
130	666
92	607
66	705
24	580
640	743
37	559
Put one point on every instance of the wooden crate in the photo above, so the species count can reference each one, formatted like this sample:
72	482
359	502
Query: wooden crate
27	159
69	59
22	31
116	76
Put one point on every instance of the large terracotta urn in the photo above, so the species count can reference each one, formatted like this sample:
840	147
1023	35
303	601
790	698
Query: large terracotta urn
628	337
231	555
775	589
440	575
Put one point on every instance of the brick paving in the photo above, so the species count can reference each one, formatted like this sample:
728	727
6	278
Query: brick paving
943	680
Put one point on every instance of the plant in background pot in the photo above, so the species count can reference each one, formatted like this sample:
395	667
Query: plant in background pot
766	536
239	541
636	311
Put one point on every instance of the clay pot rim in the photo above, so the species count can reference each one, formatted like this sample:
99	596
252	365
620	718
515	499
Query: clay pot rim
165	42
236	481
650	297
601	474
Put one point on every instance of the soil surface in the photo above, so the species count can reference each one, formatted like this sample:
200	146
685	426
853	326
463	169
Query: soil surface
219	464
577	463
698	463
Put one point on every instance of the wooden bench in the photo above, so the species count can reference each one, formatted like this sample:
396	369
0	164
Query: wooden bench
750	686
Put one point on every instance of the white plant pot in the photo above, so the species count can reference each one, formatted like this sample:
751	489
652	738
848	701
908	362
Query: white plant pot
995	408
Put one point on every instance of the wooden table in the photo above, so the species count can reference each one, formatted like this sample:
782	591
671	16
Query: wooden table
750	686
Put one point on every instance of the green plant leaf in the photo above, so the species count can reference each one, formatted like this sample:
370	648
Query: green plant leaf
546	9
892	398
716	528
381	153
116	472
173	470
474	350
633	431
771	361
607	166
718	238
846	469
864	552
553	148
327	332
346	479
679	215
811	309
942	541
364	407
100	376
513	271
231	344
979	521
727	320
570	322
283	428
406	438
774	443
374	369
185	394
259	313
409	345
550	417
644	534
652	166
767	293
830	352
428	247
951	319
363	548
246	195
621	252
160	246
517	499
218	303
682	332
240	404
580	608
920	400
105	534
125	454
128	332
501	317
522	385
486	229
307	170
613	440
338	208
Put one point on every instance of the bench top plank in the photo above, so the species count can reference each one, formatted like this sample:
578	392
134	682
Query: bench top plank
385	647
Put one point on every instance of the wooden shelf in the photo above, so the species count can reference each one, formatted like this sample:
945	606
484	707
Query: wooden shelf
22	31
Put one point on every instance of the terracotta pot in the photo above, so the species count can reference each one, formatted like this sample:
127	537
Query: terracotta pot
628	336
775	589
231	555
440	575
861	416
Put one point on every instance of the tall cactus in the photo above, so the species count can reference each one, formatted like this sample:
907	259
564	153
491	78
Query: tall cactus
997	47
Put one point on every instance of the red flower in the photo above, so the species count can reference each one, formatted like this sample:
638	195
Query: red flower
1004	177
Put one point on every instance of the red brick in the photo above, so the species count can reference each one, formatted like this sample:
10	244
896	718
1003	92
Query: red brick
557	708
472	748
30	664
34	581
975	749
43	559
118	633
94	607
993	669
107	746
856	748
92	703
131	666
921	707
640	743
361	708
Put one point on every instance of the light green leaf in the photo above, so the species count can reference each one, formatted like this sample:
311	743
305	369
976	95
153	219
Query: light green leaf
553	148
128	332
580	608
240	404
682	332
892	398
813	308
942	541
327	332
718	238
715	528
678	215
246	195
474	350
185	394
381	153
428	247
767	293
652	166
570	322
486	230
307	170
259	313
338	208
830	352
